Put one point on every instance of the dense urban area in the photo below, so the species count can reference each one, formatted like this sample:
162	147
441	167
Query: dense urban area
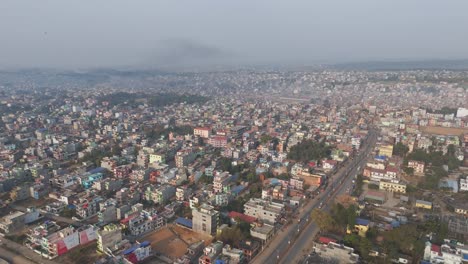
227	167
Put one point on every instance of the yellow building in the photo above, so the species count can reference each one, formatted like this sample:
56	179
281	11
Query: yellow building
361	227
423	204
161	158
386	150
392	187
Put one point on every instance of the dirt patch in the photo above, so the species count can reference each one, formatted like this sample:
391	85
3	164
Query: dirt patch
173	240
190	236
443	130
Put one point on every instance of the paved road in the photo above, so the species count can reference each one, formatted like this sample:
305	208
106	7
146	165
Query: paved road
293	242
304	243
12	257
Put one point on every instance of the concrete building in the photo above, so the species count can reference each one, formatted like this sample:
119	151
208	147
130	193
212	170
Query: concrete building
333	253
264	232
16	221
267	211
418	166
143	222
205	219
211	253
423	204
392	187
108	237
447	253
221	182
386	150
203	132
184	157
463	185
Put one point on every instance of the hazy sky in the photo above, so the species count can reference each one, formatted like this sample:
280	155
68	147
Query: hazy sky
102	33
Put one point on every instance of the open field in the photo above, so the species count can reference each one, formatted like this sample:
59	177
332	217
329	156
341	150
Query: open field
172	241
443	130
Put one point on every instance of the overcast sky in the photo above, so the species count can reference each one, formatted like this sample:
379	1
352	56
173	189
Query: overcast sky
116	33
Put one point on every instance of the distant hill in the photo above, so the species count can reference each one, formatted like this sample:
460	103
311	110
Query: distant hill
404	65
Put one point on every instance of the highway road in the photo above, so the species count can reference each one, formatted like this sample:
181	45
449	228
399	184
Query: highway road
296	240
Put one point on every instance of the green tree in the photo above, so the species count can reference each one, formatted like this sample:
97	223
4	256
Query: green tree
323	220
309	150
400	149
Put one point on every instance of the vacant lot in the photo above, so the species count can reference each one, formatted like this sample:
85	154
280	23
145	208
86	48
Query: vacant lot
443	130
172	241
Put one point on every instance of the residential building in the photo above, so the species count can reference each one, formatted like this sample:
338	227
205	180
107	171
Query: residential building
50	241
205	219
423	204
144	222
447	253
464	184
86	208
203	132
218	141
221	182
267	211
263	231
386	150
211	253
109	236
184	157
392	186
418	166
16	221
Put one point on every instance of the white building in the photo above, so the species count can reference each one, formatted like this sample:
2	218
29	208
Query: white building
464	184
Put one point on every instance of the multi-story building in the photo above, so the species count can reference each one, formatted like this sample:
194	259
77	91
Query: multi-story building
463	184
122	172
182	193
262	231
16	221
88	180
211	253
108	237
447	253
267	211
157	157
184	157
386	150
203	132
144	222
418	166
296	183
205	219
50	242
86	208
392	187
159	195
218	141
221	182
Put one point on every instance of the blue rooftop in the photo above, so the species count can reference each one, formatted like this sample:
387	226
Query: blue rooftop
97	170
184	222
130	250
239	188
363	222
144	244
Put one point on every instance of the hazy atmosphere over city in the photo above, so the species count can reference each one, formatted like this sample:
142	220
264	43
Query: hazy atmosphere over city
152	33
